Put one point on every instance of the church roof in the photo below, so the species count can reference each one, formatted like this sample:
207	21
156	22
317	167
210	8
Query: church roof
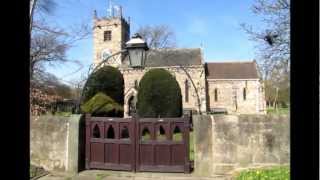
173	57
232	70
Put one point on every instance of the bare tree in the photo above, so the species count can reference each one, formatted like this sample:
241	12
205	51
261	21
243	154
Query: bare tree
42	6
273	44
49	44
158	36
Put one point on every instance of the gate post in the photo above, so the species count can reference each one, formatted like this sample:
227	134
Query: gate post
186	138
135	142
88	133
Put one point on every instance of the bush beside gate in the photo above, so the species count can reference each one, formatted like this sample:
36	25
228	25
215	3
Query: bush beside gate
103	94
159	95
108	80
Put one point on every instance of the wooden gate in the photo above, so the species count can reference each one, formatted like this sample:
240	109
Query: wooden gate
145	144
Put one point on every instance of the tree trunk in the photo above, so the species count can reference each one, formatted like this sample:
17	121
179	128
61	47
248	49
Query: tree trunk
276	99
32	7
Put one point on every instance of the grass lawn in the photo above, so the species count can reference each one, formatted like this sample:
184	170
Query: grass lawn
278	111
274	173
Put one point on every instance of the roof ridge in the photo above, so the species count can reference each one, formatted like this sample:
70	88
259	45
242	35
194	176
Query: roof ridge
230	62
172	49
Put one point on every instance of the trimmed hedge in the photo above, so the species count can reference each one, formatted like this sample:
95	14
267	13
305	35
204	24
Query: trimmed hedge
102	105
159	95
108	80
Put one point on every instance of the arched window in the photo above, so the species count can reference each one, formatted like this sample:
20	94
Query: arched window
132	106
186	85
177	134
145	134
110	133
125	133
96	132
244	94
161	134
216	94
136	85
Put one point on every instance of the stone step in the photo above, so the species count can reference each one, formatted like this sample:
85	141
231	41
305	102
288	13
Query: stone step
120	175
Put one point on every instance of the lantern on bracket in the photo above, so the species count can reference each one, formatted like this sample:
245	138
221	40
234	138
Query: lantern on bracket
137	48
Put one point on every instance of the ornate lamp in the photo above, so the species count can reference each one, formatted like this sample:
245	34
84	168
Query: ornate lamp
137	48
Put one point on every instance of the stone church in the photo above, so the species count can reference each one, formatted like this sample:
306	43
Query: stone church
206	87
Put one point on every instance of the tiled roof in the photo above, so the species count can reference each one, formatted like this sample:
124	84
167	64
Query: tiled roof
173	57
232	70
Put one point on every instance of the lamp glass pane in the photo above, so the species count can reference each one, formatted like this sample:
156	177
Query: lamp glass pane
136	56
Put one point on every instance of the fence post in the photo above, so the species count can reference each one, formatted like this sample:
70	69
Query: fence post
136	136
187	144
88	134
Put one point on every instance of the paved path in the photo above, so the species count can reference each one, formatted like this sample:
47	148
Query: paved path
119	175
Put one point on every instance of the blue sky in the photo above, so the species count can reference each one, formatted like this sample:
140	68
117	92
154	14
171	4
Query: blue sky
213	23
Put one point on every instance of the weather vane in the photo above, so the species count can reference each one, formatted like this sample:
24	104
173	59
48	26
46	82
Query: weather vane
114	10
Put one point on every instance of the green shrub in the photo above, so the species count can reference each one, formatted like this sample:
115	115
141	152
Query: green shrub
108	80
102	105
159	95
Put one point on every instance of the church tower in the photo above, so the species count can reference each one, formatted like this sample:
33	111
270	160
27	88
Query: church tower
110	34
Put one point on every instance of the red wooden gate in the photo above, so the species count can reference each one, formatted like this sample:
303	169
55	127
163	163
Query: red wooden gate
109	144
146	144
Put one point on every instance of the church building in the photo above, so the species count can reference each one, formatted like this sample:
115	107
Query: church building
206	87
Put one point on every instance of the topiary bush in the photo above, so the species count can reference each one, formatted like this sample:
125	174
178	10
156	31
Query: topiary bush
159	95
108	80
102	105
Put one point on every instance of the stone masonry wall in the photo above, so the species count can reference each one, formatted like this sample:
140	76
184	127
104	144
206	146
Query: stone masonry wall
54	142
119	30
236	142
253	104
131	75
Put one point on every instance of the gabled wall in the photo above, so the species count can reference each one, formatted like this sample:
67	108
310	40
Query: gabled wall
253	104
130	75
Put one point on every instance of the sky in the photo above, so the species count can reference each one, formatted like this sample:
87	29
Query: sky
213	25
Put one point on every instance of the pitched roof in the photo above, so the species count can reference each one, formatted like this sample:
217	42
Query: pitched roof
173	57
232	70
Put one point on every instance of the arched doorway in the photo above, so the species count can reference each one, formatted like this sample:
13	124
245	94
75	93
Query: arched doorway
130	101
132	106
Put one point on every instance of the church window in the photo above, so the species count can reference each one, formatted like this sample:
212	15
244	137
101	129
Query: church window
136	84
244	93
186	91
216	94
132	106
107	36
